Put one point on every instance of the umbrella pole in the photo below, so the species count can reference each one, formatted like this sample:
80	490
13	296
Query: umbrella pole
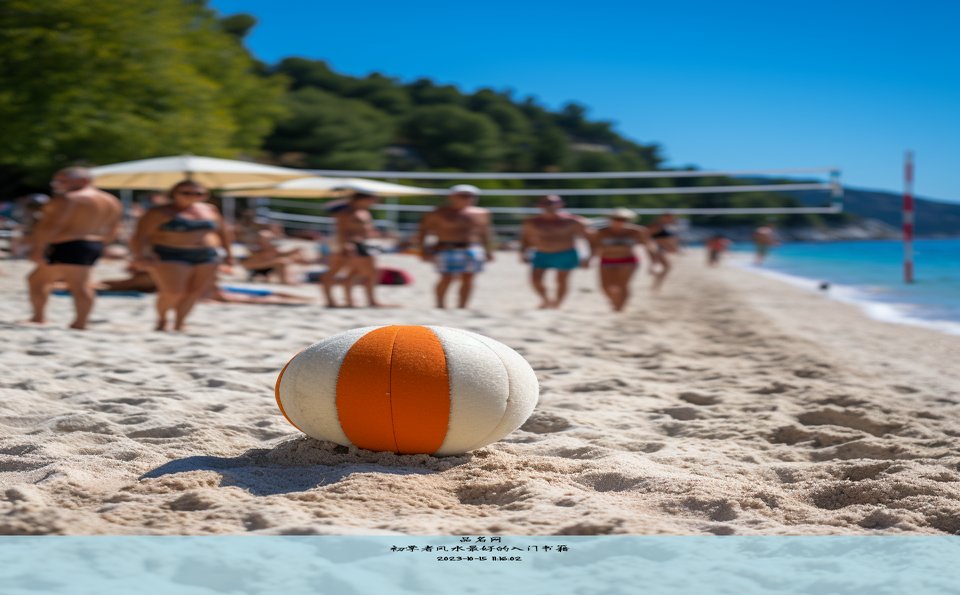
126	199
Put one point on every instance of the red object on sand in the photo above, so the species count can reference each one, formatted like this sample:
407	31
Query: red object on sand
395	277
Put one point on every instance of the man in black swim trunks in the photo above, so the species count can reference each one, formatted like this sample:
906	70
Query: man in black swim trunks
77	223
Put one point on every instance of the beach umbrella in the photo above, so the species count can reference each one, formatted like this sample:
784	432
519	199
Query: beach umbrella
324	187
163	172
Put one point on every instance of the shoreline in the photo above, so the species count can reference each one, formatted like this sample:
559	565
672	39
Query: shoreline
731	403
889	312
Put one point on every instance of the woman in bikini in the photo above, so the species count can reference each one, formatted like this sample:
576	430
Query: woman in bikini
664	235
614	245
178	243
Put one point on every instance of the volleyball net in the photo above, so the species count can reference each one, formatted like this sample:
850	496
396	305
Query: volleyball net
643	192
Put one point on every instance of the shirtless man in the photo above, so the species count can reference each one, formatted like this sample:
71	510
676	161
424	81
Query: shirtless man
351	252
464	235
552	237
77	223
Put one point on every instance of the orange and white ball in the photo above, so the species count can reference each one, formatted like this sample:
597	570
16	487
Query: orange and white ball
408	389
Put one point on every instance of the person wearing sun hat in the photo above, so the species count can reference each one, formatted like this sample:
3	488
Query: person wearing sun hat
464	241
548	241
614	245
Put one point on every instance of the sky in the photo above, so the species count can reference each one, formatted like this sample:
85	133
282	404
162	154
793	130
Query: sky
719	85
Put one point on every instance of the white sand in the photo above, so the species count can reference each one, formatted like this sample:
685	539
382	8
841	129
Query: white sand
731	403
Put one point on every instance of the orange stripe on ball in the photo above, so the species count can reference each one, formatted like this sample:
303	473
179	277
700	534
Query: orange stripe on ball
363	391
419	390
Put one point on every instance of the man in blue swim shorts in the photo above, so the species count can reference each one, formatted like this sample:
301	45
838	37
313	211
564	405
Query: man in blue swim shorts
464	241
548	241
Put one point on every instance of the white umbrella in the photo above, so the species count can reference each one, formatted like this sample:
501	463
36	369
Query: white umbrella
323	187
163	172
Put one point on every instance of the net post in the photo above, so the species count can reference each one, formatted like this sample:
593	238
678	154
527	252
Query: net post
836	191
908	217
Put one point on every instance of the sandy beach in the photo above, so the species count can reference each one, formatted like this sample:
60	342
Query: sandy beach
731	403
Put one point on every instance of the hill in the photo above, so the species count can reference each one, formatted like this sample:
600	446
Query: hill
933	218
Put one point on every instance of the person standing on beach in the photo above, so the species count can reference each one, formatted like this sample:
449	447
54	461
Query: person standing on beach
764	238
614	245
663	233
552	236
716	246
464	241
178	243
77	223
352	252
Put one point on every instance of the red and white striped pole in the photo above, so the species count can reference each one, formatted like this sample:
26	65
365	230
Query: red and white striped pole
908	217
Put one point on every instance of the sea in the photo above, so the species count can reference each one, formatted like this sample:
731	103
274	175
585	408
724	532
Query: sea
870	275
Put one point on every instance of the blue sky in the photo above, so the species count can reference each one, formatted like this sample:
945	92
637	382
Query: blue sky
720	85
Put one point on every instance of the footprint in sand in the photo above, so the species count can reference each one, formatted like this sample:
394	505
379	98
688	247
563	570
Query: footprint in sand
83	423
604	481
862	472
18	450
847	419
161	432
581	452
904	390
887	493
698	398
612	384
682	413
191	502
592	527
644	447
128	401
255	369
506	494
820	438
545	423
773	389
18	464
865	449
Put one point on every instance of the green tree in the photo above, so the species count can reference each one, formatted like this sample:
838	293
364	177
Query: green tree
111	80
327	131
451	136
426	92
313	73
382	93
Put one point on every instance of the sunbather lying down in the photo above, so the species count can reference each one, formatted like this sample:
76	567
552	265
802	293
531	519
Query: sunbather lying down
238	295
141	282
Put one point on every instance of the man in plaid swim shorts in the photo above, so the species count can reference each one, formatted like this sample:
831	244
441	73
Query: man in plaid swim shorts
460	260
464	239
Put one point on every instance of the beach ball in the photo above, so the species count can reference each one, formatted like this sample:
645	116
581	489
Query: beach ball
408	389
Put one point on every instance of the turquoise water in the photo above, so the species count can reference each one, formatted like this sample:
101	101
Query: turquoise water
871	272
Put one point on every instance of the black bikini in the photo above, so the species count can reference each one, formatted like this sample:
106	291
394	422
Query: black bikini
181	224
189	256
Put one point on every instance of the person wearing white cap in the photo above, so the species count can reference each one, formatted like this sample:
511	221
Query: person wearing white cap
548	241
464	241
614	245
